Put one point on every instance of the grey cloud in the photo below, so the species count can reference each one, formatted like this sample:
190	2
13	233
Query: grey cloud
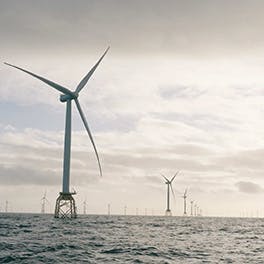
200	121
157	163
179	91
172	26
250	159
191	150
177	149
39	165
39	161
18	175
249	187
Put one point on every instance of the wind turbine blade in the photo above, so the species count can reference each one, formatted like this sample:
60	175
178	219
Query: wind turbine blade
172	191
89	133
164	177
174	176
50	83
90	73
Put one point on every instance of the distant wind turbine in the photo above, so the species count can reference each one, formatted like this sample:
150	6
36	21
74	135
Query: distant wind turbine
108	209
65	203
195	209
43	203
184	203
84	206
192	208
169	187
6	206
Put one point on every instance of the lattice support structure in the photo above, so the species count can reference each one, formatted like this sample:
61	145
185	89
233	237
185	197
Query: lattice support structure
65	206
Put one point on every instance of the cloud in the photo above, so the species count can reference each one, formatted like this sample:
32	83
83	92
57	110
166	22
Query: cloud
249	187
179	91
17	175
179	27
174	99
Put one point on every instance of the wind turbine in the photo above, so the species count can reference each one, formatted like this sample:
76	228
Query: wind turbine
65	203
198	211
195	209
84	206
6	206
192	208
43	203
108	209
169	186
184	202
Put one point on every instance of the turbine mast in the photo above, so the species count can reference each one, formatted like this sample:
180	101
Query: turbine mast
84	207
6	206
108	209
192	208
168	197
67	150
184	203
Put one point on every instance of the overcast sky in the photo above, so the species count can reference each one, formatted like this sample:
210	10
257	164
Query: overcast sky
181	88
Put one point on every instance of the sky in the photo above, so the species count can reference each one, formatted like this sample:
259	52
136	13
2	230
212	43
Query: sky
181	89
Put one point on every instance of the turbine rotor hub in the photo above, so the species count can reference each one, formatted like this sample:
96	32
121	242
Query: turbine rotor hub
66	97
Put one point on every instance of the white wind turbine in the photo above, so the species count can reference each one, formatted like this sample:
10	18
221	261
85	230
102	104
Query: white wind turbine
43	203
192	207
65	203
169	187
84	206
184	203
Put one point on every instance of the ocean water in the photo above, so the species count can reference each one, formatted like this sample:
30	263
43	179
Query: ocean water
30	238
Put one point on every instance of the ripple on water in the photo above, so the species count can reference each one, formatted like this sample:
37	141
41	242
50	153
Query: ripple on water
115	239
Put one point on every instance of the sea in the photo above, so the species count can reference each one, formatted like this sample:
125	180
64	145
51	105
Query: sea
36	238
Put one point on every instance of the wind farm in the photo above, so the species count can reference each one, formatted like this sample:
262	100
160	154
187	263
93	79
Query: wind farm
148	152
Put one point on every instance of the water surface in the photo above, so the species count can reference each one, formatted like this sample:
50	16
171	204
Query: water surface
29	238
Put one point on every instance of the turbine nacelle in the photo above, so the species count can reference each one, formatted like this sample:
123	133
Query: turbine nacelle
65	97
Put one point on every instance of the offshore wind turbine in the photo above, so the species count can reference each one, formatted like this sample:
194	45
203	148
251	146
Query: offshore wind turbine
184	202
169	187
195	209
43	202
84	206
6	206
108	209
65	203
192	208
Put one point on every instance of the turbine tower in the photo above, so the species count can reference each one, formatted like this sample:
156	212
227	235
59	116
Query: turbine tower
108	209
192	208
43	203
65	203
6	206
169	186
195	209
184	202
84	206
